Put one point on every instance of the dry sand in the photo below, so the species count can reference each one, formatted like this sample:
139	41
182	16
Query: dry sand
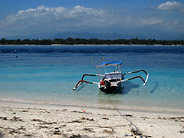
37	121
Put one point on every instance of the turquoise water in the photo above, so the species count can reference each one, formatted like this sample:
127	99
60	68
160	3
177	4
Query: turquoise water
49	73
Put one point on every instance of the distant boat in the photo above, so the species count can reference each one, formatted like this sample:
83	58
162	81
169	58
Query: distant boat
111	76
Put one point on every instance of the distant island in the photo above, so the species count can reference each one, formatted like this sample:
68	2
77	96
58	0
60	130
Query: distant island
92	41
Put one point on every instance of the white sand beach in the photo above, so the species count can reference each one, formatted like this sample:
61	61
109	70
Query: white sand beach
45	121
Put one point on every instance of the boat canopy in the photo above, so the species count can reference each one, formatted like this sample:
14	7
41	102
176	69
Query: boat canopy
111	63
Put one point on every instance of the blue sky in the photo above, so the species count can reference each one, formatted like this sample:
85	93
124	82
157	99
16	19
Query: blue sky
159	19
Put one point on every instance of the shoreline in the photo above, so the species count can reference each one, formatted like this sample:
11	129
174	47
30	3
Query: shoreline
100	106
33	120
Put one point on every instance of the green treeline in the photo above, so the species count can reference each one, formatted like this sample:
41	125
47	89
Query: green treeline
73	41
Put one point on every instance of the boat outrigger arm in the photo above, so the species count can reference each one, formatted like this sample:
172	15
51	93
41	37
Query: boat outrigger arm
145	81
82	80
123	80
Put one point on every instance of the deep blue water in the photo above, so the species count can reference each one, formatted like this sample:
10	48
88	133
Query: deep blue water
49	73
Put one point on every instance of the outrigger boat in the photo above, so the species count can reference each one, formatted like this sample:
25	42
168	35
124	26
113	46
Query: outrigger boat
110	82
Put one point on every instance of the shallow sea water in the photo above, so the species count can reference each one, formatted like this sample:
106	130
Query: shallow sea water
48	74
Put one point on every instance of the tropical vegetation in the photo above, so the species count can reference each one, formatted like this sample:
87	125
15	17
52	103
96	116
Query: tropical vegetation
93	41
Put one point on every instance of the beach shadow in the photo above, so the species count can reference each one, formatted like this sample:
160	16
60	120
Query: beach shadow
155	87
106	98
1	134
126	88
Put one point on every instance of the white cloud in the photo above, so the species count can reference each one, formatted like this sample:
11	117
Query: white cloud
77	16
56	18
171	5
60	19
149	21
45	19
